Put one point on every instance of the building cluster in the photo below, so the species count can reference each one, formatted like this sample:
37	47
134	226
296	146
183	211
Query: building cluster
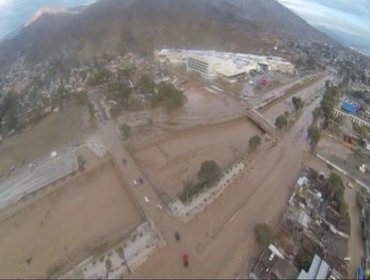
311	240
225	65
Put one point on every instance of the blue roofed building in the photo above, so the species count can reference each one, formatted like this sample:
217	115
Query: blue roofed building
350	107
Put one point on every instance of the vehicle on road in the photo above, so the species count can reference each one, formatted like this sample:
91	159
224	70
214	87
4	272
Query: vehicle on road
350	185
135	182
146	199
177	236
185	259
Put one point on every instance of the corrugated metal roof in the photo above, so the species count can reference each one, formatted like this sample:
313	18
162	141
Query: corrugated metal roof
323	271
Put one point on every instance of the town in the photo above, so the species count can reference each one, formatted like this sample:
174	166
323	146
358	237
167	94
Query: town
187	163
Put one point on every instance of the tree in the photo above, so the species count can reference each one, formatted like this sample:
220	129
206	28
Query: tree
359	199
119	92
108	266
281	121
209	172
335	186
254	142
297	102
125	131
263	234
304	259
146	84
168	95
316	113
313	135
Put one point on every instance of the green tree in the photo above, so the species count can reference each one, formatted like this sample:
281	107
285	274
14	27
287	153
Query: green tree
360	199
125	131
209	172
254	142
316	113
297	102
168	95
263	234
335	186
281	121
303	259
146	84
313	135
119	92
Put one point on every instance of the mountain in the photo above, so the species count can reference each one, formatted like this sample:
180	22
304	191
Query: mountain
111	26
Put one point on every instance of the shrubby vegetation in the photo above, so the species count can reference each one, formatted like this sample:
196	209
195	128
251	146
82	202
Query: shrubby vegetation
335	192
207	176
313	135
303	259
254	142
168	95
297	102
8	112
125	131
263	234
282	121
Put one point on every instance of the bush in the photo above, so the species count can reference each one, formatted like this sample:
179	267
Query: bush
313	135
168	95
297	102
304	259
209	172
254	142
359	199
282	121
125	131
263	234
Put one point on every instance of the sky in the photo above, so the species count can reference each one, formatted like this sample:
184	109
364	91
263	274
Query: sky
14	13
348	20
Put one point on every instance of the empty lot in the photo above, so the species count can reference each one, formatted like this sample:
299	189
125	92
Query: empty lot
176	158
49	134
79	219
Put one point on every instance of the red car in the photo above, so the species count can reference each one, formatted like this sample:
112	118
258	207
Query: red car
185	259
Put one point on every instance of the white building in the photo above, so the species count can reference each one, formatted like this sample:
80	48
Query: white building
227	65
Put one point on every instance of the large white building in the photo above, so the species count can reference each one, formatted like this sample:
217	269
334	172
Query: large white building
231	66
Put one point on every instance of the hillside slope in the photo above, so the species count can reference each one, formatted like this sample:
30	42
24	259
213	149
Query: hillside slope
112	26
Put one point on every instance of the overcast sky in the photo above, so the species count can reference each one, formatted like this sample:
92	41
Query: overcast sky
14	13
350	17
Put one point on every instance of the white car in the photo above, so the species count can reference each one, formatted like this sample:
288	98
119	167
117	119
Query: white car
350	185
135	182
146	199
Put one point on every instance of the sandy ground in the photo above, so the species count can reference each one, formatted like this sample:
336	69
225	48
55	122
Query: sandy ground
200	101
55	130
177	158
76	220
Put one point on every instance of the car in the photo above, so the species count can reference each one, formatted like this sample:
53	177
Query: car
135	182
349	185
185	259
146	199
140	180
124	161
